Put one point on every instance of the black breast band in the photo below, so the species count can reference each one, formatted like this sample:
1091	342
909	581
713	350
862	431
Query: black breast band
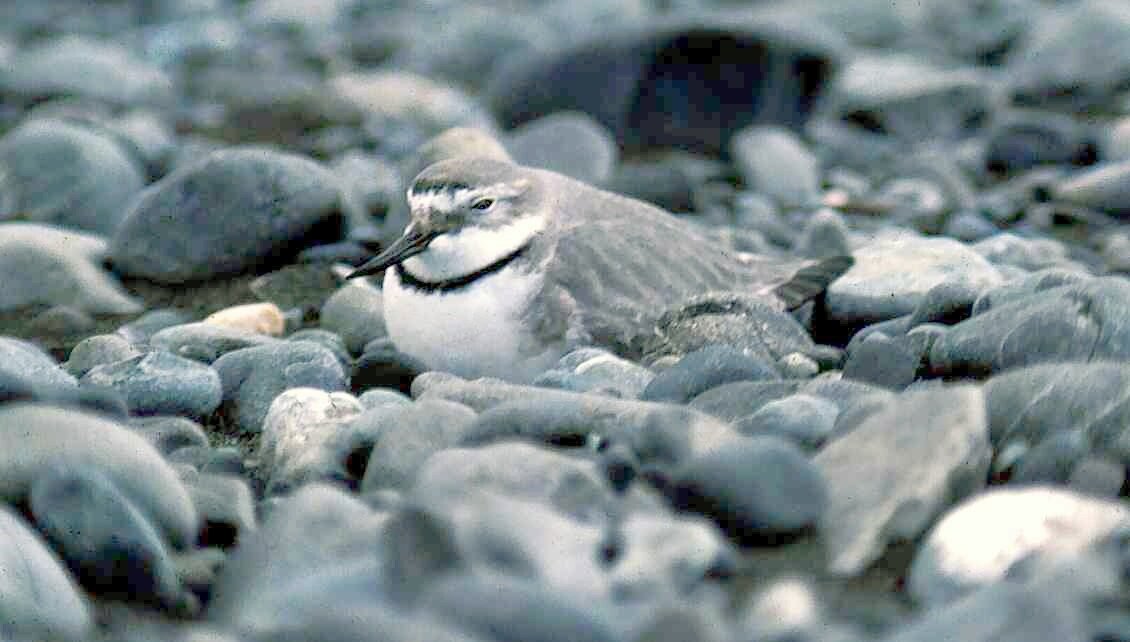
459	282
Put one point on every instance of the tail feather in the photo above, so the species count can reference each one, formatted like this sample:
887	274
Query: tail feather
811	281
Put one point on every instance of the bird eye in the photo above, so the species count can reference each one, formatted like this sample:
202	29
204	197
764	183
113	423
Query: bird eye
482	204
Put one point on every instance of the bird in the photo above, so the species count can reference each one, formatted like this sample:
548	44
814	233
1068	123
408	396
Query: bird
504	268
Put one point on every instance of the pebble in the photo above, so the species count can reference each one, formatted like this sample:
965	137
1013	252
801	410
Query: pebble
62	173
1100	187
49	265
160	382
356	313
805	420
382	366
306	436
515	610
226	213
253	377
756	491
570	143
570	485
893	474
71	438
1085	322
1006	525
259	318
28	363
882	362
226	507
892	276
704	369
773	161
169	433
203	341
406	435
41	598
599	371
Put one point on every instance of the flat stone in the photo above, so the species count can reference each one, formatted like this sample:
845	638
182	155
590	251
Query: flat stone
160	382
932	446
260	318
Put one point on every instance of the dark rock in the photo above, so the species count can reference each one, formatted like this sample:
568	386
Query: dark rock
755	491
227	213
381	365
109	544
1026	140
882	362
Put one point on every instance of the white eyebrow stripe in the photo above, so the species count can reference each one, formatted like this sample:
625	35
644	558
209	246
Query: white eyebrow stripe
448	199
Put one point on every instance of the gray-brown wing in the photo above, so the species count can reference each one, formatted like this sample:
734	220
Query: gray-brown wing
620	274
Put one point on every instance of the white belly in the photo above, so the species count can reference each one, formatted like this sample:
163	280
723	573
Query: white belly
476	331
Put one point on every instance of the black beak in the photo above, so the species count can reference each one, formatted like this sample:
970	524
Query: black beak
412	243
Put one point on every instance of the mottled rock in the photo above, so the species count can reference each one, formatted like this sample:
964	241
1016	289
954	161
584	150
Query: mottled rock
160	382
306	437
599	371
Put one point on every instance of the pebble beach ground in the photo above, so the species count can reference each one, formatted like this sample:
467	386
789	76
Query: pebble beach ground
206	433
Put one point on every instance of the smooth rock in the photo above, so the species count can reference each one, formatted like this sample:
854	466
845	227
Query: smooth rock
225	505
757	490
205	342
160	382
378	397
570	143
1028	405
169	433
98	350
67	437
406	436
62	173
259	318
1027	253
139	331
805	420
356	313
309	545
381	365
253	377
54	266
932	445
514	610
572	486
732	401
774	162
1084	322
306	436
976	542
599	371
227	213
655	431
41	600
882	362
707	368
1102	187
28	362
108	543
892	276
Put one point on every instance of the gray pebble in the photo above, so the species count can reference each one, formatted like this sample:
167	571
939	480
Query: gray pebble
356	313
160	382
406	435
707	368
805	420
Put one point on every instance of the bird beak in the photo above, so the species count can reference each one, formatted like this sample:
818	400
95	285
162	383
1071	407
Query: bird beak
414	241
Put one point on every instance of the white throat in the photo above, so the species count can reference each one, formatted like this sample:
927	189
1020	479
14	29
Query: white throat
451	256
